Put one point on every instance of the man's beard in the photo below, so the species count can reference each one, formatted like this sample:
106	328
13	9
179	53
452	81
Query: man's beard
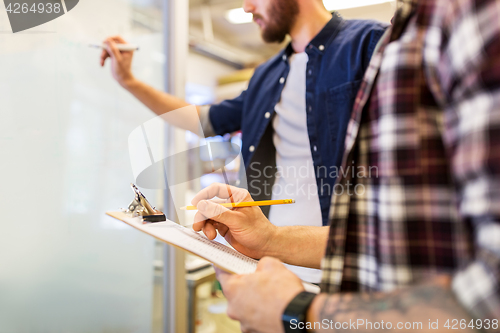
282	15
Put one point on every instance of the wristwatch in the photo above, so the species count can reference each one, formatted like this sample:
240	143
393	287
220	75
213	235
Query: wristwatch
294	317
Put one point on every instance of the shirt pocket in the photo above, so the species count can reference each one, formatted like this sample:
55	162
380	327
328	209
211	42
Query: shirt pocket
340	102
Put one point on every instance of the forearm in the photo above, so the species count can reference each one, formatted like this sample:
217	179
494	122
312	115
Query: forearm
160	103
299	245
418	307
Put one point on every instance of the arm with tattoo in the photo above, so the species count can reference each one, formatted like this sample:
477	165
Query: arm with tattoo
421	308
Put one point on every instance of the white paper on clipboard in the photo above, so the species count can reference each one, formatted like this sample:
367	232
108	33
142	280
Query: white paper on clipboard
219	254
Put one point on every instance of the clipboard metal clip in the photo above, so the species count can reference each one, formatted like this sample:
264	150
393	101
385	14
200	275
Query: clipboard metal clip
141	207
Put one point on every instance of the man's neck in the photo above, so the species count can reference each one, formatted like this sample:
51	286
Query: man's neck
310	22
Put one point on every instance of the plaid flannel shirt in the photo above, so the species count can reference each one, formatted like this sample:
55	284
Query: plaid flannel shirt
419	191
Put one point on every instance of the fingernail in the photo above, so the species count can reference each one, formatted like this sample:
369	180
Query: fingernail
202	205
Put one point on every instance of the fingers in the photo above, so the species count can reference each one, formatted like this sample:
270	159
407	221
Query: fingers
207	230
221	191
104	56
223	229
214	190
210	231
112	49
216	212
199	218
198	226
222	275
199	221
118	39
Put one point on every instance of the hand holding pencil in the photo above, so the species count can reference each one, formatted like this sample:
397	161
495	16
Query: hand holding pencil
246	228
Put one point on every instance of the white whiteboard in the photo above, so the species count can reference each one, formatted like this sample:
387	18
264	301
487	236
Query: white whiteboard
64	124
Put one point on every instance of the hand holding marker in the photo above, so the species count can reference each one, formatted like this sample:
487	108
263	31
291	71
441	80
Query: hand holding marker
121	55
120	47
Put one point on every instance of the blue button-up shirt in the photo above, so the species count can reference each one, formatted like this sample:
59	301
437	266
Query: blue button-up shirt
338	58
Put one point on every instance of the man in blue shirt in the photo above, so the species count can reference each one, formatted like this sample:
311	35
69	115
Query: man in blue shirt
294	114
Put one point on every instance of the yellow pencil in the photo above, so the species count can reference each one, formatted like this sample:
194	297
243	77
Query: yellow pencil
248	204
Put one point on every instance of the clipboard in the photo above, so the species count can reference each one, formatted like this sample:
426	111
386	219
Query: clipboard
190	241
138	215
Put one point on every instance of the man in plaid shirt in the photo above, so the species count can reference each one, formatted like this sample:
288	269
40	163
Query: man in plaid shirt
415	222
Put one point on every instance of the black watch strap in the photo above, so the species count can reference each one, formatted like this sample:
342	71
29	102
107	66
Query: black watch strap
294	316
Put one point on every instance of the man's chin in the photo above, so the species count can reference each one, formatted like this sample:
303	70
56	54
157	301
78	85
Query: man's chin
273	39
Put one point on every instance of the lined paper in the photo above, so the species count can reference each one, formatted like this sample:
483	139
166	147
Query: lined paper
219	254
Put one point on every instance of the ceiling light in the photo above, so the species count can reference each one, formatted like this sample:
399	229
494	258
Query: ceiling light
346	4
238	16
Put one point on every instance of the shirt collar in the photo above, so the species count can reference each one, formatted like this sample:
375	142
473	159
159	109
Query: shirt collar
414	3
405	10
323	38
407	7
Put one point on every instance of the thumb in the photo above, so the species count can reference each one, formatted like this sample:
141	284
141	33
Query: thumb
269	264
222	275
214	211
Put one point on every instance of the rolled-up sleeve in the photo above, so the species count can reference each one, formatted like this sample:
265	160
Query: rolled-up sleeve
226	117
206	125
469	73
